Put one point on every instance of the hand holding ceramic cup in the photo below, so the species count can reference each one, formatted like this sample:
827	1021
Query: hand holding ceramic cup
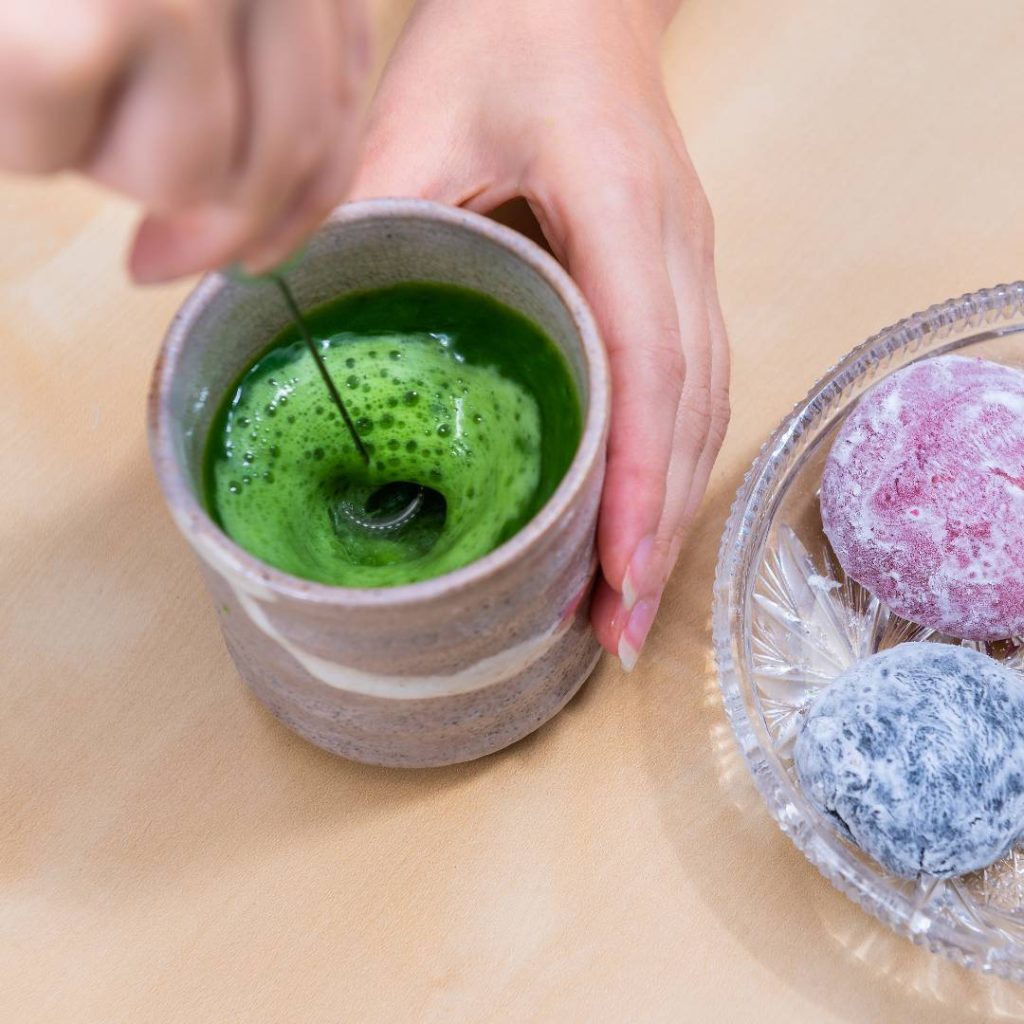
574	119
421	673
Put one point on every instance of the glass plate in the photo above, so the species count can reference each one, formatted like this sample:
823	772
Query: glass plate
787	621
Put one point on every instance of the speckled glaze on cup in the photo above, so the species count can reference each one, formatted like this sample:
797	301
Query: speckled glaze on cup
428	673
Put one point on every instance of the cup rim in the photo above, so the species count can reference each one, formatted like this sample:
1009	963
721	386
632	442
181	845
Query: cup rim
216	546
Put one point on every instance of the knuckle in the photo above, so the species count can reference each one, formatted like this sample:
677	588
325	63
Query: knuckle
704	414
721	414
695	404
665	549
721	405
668	361
622	177
627	192
656	364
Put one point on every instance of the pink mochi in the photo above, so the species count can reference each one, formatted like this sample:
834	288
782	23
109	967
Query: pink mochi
923	496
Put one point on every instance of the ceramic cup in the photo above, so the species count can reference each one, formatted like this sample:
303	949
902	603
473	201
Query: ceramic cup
427	673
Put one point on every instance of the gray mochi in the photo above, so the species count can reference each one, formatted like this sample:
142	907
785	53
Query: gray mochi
917	754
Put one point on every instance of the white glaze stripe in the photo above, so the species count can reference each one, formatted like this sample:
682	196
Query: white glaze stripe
486	672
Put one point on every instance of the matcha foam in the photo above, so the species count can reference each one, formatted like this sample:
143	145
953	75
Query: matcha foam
425	416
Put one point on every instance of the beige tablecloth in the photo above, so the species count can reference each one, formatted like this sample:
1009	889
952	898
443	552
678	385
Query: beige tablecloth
168	852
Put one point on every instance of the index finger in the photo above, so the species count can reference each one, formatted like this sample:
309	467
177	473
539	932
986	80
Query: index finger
610	238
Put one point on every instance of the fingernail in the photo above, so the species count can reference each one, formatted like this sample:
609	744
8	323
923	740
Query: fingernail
636	581
631	641
619	620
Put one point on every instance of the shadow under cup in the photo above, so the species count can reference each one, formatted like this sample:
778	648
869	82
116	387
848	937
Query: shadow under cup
428	673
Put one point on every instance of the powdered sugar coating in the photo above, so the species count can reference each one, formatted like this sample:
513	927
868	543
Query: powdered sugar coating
923	496
918	754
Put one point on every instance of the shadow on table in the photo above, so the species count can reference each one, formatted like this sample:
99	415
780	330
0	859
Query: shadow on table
755	881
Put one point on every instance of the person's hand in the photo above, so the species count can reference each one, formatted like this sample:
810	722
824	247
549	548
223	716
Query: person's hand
562	104
234	122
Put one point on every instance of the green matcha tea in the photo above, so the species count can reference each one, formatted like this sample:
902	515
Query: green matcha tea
448	389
